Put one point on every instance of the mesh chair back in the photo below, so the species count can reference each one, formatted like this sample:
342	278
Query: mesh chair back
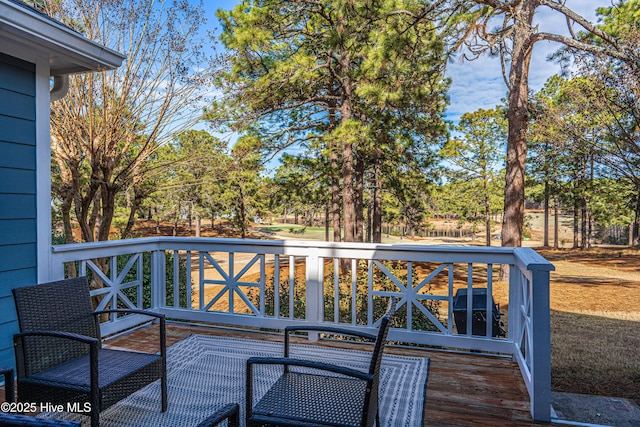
63	305
376	358
383	331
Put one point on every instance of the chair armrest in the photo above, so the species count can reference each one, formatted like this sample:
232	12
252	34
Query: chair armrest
230	412
57	334
287	361
326	329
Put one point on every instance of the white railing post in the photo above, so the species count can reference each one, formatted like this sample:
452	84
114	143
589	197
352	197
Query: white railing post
541	357
515	300
158	279
315	299
56	270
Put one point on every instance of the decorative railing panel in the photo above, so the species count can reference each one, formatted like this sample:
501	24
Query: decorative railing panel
270	284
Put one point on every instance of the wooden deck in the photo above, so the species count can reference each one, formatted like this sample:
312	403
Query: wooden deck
462	389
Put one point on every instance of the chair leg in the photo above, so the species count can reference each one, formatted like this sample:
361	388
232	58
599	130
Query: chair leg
95	417
9	389
163	391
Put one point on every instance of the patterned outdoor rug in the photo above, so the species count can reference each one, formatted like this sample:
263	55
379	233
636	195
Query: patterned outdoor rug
205	373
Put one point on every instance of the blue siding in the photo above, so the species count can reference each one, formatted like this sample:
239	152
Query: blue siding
16	156
16	278
17	76
20	107
17	131
16	257
17	206
17	231
8	310
18	241
17	181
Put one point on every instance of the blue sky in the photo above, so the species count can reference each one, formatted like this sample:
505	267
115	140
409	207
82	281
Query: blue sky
479	84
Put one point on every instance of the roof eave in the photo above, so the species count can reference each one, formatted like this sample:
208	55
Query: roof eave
69	52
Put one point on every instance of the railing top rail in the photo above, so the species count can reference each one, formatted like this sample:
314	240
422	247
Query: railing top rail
525	258
531	260
275	243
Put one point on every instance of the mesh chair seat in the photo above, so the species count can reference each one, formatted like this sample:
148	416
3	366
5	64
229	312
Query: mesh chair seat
114	366
310	399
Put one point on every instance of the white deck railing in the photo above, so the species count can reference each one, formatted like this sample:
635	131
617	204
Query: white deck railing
271	284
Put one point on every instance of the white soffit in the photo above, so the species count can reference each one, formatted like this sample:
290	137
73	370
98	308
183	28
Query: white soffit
68	51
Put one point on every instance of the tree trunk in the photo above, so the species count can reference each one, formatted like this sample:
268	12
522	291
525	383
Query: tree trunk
583	223
369	226
347	192
108	199
359	201
326	223
242	213
576	208
545	231
68	230
335	206
487	214
175	221
348	197
131	221
82	215
65	208
635	226
377	201
95	219
138	196
518	118
556	221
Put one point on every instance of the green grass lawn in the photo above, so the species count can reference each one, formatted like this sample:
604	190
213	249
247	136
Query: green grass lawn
294	231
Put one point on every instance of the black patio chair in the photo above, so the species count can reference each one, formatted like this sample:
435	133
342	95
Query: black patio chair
312	398
59	354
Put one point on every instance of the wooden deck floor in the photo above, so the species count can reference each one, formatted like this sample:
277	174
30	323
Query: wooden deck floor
462	389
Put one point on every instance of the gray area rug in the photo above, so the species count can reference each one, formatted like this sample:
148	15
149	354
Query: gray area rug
205	373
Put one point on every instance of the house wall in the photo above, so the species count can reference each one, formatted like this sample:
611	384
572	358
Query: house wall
18	185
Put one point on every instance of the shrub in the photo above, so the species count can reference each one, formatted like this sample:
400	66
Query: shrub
381	282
